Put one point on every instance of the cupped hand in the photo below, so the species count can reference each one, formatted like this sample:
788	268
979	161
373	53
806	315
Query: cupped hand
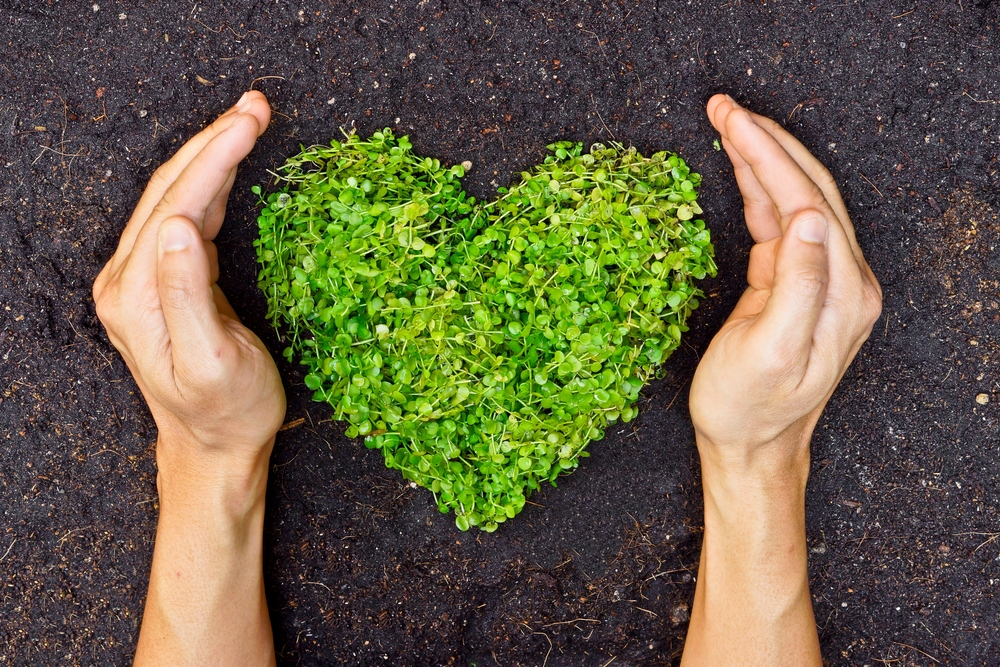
209	382
810	304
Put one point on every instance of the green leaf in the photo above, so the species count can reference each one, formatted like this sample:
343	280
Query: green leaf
480	346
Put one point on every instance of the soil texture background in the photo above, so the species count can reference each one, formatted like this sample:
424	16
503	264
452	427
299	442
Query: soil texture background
898	97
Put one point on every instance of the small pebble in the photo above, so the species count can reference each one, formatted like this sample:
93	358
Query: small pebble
982	399
945	549
680	614
467	165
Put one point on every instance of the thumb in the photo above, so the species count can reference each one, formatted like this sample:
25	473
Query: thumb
186	297
801	275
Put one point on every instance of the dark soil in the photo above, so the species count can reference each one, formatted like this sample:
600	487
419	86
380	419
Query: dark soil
899	98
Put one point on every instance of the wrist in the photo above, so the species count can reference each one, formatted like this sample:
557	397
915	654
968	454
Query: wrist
777	462
194	480
755	533
747	488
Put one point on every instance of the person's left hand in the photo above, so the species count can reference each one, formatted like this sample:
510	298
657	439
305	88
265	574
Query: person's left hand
210	383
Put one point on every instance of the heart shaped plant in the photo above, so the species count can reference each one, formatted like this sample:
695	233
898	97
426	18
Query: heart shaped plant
481	347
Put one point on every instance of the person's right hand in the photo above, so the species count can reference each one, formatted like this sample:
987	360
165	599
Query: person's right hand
811	303
758	392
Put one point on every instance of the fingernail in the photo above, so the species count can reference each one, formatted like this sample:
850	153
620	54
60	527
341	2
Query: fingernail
244	104
174	237
812	230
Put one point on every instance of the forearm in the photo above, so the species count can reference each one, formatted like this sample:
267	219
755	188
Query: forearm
206	604
752	603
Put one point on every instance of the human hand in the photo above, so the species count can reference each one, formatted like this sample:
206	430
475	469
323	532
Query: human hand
210	383
759	391
812	300
215	394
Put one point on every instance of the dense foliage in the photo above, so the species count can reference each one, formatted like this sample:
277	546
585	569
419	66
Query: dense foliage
481	347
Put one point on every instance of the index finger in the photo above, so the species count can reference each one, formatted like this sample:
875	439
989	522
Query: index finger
815	169
782	179
192	194
252	102
791	189
758	209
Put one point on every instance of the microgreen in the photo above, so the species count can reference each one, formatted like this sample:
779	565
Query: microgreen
481	347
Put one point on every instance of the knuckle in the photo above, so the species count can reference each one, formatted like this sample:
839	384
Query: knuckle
872	304
824	179
178	290
101	308
778	366
168	201
161	177
218	125
105	305
810	284
214	368
769	124
97	289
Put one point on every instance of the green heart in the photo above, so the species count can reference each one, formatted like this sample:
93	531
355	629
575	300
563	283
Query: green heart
481	347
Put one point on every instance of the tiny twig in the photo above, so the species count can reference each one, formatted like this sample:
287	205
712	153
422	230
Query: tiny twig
599	43
108	451
317	583
863	538
914	648
549	652
575	620
601	119
261	78
4	557
868	181
72	156
980	101
671	403
292	424
70	532
227	27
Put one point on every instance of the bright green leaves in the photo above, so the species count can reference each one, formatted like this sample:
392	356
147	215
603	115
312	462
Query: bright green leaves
481	348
